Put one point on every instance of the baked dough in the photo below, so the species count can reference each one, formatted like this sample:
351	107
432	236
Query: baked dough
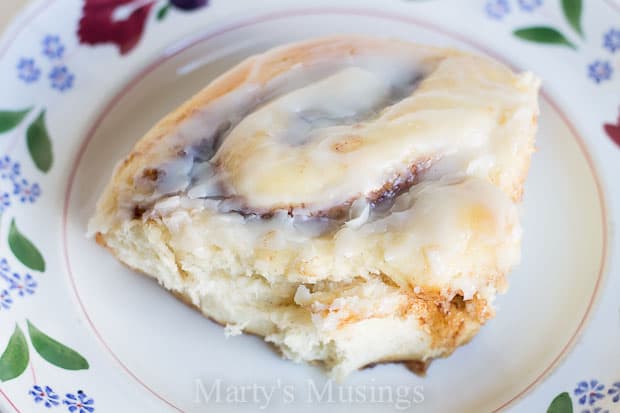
353	200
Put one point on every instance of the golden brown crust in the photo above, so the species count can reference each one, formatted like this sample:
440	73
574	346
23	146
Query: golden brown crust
448	323
417	367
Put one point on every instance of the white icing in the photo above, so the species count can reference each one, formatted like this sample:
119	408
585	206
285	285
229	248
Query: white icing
174	175
322	136
287	141
361	218
353	87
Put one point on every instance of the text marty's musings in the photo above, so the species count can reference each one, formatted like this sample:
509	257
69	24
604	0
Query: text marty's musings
218	391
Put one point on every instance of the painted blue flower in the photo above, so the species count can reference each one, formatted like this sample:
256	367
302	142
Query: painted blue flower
600	70
79	402
611	40
23	285
614	391
496	9
61	78
595	410
8	168
45	395
530	5
53	47
25	191
5	201
5	299
589	391
27	70
4	266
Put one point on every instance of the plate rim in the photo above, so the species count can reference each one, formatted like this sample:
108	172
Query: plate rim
589	149
235	23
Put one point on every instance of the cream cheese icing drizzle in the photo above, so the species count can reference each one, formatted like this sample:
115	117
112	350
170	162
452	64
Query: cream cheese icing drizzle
295	112
312	143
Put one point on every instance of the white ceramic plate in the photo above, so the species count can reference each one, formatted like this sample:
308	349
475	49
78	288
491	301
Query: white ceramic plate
81	81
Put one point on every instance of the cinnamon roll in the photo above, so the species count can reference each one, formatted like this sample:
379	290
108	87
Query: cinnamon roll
352	200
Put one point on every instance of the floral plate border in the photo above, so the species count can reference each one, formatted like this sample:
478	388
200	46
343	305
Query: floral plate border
29	123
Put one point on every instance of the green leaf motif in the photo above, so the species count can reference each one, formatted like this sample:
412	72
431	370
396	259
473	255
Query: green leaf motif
572	11
55	352
39	144
163	12
24	250
561	404
15	358
9	120
543	34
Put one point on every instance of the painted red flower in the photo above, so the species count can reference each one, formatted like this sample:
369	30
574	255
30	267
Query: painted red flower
120	22
613	131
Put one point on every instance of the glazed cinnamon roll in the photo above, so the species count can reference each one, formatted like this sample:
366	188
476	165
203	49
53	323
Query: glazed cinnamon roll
353	200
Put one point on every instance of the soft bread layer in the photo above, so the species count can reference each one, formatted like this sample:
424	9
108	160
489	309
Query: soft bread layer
416	294
341	325
457	237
